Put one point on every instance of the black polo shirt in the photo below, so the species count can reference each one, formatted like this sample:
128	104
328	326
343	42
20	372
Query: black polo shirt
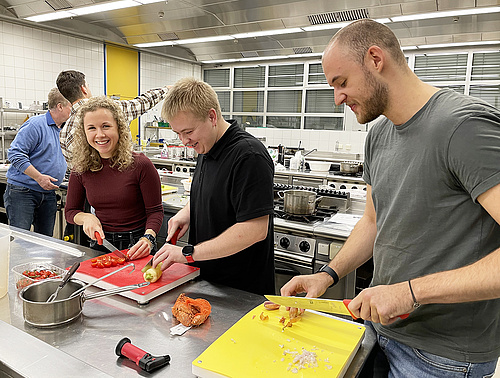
233	183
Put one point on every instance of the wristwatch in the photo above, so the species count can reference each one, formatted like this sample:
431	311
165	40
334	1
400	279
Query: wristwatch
188	251
325	268
151	239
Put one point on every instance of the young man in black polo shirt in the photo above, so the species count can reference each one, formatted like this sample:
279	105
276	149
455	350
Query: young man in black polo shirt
230	212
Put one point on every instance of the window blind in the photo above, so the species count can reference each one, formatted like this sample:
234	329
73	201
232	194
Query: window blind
217	78
249	77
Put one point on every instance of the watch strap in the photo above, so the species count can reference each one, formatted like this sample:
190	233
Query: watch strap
151	239
188	251
325	268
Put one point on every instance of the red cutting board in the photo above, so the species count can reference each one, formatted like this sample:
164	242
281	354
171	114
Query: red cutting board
174	276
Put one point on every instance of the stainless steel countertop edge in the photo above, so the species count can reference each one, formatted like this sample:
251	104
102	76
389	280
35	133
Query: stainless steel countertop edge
30	357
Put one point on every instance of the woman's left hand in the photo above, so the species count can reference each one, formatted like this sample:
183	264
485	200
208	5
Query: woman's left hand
140	249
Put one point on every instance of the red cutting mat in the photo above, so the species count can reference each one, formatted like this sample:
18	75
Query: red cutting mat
174	276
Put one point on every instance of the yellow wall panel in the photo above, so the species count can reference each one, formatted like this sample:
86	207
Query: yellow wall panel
122	76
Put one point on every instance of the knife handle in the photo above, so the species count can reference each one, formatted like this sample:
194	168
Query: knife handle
98	237
347	301
175	236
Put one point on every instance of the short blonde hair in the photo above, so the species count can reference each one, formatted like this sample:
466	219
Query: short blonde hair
192	96
85	157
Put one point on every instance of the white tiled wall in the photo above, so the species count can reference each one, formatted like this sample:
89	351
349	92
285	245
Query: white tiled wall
31	59
157	71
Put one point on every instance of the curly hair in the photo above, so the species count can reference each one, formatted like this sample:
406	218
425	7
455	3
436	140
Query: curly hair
87	158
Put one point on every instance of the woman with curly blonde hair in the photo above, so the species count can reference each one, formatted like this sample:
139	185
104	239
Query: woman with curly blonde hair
122	186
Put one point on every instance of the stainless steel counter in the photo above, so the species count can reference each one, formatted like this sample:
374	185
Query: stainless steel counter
86	347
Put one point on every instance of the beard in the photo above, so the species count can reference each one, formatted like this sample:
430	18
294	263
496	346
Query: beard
376	103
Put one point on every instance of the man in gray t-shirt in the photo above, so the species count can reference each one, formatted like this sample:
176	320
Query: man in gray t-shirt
432	216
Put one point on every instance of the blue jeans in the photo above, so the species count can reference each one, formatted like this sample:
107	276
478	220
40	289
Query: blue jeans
26	207
404	362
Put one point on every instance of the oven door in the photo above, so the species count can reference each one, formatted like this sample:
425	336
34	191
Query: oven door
287	265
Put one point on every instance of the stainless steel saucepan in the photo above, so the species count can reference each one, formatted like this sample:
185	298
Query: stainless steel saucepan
40	313
299	202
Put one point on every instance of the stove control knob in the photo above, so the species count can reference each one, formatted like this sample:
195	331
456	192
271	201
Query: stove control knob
285	242
304	246
343	187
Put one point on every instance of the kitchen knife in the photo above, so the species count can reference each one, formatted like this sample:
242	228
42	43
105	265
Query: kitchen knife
172	241
326	305
110	246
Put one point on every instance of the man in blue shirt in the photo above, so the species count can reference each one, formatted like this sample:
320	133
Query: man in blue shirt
37	168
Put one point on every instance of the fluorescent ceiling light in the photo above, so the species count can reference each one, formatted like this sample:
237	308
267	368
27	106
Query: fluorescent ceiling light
458	44
104	7
265	33
51	16
335	25
275	57
408	48
155	44
97	8
204	39
454	13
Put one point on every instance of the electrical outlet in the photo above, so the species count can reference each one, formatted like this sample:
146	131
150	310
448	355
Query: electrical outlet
348	147
341	146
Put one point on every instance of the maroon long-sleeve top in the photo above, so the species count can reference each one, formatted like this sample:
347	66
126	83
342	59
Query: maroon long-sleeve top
123	201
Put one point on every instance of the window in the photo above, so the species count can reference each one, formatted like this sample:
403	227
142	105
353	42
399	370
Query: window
316	75
249	77
322	101
217	78
284	101
489	93
224	101
291	75
283	122
486	66
324	123
442	67
248	101
249	120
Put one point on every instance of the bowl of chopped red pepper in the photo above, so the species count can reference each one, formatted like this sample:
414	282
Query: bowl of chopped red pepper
28	273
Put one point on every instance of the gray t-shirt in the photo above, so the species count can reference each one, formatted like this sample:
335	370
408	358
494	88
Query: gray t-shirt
426	175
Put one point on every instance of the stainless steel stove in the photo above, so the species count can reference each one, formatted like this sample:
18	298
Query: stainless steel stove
302	244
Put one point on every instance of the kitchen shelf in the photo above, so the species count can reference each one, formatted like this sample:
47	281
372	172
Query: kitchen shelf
10	134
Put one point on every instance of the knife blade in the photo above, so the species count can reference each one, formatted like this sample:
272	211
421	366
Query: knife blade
110	247
331	306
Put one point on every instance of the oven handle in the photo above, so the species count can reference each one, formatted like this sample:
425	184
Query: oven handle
288	272
293	258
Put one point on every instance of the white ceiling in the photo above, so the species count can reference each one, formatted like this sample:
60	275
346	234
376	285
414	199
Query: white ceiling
184	19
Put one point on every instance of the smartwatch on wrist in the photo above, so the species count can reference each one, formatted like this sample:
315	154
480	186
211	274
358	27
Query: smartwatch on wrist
188	251
325	268
151	239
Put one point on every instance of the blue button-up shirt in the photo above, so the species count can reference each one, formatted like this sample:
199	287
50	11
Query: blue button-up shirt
37	144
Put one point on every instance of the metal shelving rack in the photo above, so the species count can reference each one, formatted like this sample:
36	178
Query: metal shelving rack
3	132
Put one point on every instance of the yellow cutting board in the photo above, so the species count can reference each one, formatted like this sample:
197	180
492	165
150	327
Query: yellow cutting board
256	348
166	189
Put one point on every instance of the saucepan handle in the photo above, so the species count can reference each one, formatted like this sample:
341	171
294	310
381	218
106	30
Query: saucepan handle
117	290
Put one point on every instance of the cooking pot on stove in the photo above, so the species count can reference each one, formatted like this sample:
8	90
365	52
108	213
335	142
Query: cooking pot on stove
349	167
40	313
299	202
